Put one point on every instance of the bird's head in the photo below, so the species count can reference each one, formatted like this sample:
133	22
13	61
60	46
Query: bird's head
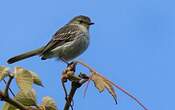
81	20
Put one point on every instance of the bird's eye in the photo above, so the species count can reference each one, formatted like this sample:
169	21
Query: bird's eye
81	21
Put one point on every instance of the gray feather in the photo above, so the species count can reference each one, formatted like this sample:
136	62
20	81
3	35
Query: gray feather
25	55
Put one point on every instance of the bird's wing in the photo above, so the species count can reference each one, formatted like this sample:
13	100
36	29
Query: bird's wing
63	35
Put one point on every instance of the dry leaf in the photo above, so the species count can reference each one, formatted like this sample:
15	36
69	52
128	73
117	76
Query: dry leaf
23	78
7	106
3	72
48	103
36	79
102	83
27	98
42	107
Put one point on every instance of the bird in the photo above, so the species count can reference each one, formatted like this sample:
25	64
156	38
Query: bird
66	44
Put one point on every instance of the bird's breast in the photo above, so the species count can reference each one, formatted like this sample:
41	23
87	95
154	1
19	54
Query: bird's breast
75	48
72	49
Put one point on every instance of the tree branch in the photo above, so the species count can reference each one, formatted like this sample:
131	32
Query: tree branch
74	86
11	101
76	82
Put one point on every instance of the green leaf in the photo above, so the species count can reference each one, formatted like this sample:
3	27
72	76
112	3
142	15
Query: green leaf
27	98
36	79
3	72
23	78
49	103
7	106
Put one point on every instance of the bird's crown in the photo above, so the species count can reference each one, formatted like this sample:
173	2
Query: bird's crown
84	20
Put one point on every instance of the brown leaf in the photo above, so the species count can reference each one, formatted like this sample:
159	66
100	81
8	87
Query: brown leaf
23	78
48	104
102	83
3	72
36	79
8	106
26	97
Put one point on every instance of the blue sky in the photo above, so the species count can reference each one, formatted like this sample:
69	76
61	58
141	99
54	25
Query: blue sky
132	44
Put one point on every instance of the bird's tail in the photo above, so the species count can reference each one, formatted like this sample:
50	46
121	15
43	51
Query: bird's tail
25	55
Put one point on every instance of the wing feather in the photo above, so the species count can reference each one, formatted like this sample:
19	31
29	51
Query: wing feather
65	34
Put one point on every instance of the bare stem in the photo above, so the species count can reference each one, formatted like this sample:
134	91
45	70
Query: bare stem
7	86
86	65
74	87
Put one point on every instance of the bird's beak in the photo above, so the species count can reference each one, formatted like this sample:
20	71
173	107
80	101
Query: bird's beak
91	23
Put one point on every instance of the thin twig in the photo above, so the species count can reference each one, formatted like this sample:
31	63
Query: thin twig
86	87
86	65
70	97
64	88
130	95
74	87
7	86
66	95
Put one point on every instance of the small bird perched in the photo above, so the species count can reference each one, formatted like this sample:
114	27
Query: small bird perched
67	43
